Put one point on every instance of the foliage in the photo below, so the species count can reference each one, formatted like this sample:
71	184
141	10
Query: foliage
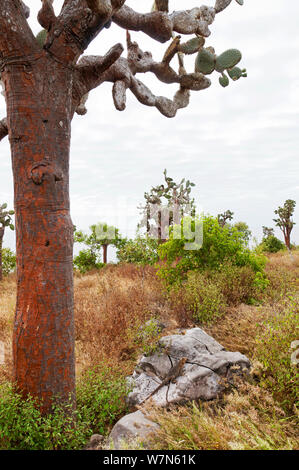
267	231
224	217
23	428
243	228
86	260
205	295
220	244
274	352
201	298
8	261
5	217
284	220
100	397
100	393
101	235
272	244
142	250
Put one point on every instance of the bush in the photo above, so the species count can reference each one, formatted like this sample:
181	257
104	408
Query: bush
8	261
274	352
100	400
100	397
23	428
202	298
86	261
139	251
239	284
272	244
220	245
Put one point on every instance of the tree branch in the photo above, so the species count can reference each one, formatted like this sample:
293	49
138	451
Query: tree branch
16	37
46	16
122	73
160	26
3	129
78	23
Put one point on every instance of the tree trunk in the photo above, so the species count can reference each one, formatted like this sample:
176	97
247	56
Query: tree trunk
1	244
105	249
287	238
39	112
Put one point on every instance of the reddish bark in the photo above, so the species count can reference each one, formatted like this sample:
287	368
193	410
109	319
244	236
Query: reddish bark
43	88
105	249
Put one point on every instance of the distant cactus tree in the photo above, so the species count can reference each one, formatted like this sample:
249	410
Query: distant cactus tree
224	217
102	235
284	220
268	232
5	221
166	204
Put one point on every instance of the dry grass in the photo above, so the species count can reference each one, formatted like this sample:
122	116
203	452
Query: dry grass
247	419
110	307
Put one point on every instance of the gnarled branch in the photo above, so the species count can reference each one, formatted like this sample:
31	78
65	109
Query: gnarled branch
3	128
160	26
122	74
46	16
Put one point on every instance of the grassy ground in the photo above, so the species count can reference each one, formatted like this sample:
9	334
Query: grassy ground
110	307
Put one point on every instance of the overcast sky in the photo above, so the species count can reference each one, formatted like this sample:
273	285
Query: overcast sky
239	145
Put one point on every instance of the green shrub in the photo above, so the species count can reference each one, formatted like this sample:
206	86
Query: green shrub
203	298
100	397
220	245
273	350
139	251
8	261
23	428
272	244
198	298
239	284
86	261
100	400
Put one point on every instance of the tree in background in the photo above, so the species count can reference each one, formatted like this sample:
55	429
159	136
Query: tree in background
165	205
5	221
268	232
44	86
142	251
243	228
102	235
8	261
225	217
284	220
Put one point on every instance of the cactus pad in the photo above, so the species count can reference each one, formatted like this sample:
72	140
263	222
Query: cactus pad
228	59
192	46
223	80
41	37
235	73
205	62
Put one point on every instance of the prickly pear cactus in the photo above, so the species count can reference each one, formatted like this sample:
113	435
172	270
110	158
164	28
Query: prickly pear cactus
41	37
192	46
223	80
228	60
205	62
235	73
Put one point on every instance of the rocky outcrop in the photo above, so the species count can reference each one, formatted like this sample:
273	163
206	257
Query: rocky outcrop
207	371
